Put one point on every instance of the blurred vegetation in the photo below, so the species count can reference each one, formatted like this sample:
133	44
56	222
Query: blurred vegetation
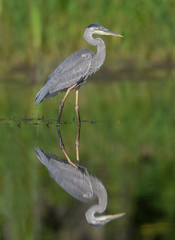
128	141
37	32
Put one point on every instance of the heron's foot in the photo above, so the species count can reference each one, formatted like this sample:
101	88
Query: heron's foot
58	122
78	116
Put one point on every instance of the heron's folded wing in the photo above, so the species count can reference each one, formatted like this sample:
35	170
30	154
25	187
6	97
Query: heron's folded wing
73	180
73	70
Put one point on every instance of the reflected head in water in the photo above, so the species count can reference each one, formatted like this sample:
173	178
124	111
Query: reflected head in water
79	184
75	70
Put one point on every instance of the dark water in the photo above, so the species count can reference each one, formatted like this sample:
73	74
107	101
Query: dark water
127	141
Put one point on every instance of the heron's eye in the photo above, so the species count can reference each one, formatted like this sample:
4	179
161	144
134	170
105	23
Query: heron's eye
99	28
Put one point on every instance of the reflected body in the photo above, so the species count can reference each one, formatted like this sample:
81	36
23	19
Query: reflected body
74	71
80	184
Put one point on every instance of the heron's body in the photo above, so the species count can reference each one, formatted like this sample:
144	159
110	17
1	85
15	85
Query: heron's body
76	181
78	67
75	69
80	184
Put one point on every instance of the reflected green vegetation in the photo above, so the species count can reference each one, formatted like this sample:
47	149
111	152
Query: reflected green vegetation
128	142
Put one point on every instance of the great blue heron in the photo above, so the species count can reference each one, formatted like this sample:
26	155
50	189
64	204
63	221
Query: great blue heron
74	71
80	184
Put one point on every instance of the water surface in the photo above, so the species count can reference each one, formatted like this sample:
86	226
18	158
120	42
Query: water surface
127	141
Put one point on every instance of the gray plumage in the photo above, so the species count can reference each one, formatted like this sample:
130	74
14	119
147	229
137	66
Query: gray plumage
76	181
79	184
78	67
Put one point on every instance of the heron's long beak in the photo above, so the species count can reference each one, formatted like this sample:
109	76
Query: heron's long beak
115	216
108	32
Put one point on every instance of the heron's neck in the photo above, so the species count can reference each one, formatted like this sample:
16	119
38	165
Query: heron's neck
101	48
100	207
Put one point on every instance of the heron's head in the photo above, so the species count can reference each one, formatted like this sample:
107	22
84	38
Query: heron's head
98	29
102	220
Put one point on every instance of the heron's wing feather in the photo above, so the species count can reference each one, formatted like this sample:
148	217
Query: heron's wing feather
73	70
73	180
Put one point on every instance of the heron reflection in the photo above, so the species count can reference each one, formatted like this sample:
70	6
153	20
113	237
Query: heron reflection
79	184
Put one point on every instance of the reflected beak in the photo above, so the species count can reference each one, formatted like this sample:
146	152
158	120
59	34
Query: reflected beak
102	220
115	216
108	32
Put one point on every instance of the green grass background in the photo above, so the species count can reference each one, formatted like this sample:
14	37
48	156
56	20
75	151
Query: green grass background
37	32
128	139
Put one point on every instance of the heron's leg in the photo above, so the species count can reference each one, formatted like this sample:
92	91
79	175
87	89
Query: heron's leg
62	102
77	106
63	148
77	142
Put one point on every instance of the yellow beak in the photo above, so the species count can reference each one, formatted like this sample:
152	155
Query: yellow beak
108	32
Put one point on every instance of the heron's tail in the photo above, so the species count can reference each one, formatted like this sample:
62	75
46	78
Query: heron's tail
43	93
42	157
